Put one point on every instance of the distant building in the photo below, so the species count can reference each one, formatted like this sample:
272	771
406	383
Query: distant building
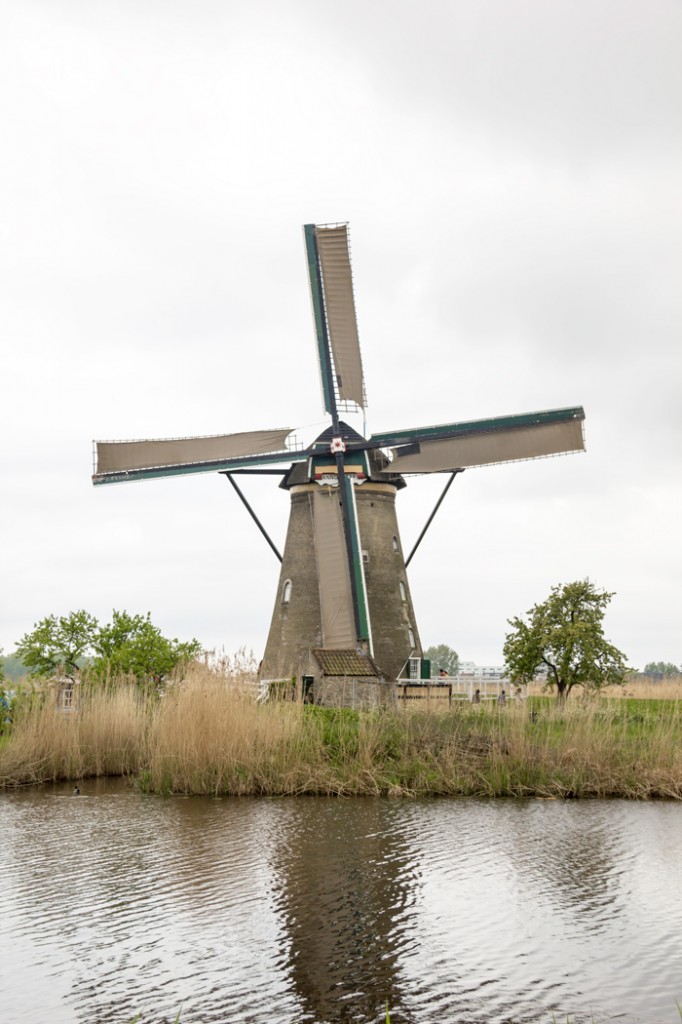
469	668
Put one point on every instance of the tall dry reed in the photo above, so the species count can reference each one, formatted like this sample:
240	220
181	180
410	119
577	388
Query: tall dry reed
643	687
647	688
208	735
211	739
103	735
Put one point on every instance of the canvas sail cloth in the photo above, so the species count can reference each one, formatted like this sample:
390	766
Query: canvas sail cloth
120	456
339	305
484	449
336	599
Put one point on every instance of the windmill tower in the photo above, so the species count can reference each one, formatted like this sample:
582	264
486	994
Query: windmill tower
343	605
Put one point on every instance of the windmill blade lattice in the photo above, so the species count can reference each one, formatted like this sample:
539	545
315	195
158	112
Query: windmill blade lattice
117	461
331	288
487	442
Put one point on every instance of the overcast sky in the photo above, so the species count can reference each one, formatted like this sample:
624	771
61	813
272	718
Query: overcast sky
511	172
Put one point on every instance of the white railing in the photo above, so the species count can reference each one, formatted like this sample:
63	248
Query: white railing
489	687
475	689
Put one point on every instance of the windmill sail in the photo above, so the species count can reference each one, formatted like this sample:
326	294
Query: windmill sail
331	283
355	565
331	288
485	442
336	599
120	460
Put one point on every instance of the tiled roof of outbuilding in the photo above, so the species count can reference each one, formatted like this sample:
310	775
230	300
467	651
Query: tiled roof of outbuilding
346	663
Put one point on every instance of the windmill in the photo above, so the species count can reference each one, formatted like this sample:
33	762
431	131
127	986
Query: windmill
343	592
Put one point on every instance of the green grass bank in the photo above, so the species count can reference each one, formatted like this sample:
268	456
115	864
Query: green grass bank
206	737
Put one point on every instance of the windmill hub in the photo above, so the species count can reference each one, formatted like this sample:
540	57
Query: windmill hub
343	622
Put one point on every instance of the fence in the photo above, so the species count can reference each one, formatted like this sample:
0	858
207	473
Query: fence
474	689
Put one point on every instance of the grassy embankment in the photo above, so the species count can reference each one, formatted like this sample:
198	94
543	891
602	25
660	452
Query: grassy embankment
208	736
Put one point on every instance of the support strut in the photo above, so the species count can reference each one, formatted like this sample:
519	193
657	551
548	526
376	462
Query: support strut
430	519
252	514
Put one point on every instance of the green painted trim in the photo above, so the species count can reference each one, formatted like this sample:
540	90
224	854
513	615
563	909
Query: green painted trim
198	467
318	314
356	568
445	430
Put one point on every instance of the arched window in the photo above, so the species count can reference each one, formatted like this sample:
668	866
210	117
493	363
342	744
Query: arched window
286	592
395	544
403	592
410	637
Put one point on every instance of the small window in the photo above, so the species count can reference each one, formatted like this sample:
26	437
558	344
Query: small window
286	593
410	637
395	544
403	592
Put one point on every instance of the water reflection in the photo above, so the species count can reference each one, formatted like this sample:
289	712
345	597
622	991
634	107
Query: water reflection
323	910
346	887
570	856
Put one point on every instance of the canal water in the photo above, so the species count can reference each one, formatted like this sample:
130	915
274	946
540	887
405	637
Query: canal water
114	904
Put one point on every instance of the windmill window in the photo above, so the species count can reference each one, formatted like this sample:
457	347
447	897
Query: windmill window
410	637
395	543
403	592
286	592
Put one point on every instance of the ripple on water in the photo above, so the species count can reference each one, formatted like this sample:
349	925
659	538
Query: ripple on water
316	910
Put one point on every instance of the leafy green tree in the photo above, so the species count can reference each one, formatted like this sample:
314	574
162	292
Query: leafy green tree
661	668
58	643
129	645
442	657
115	636
13	667
564	634
133	645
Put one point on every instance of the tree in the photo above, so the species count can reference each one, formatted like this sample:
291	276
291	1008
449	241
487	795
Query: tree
129	645
133	645
58	643
13	667
442	656
661	668
565	635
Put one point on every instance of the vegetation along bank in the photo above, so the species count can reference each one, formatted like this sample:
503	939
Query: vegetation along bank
207	735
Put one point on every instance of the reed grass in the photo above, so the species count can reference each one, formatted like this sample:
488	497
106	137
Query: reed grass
107	736
648	689
643	687
207	735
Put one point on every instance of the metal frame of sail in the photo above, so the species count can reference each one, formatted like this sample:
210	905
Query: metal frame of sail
329	391
219	466
414	435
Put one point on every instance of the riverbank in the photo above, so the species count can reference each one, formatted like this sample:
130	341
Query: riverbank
206	737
